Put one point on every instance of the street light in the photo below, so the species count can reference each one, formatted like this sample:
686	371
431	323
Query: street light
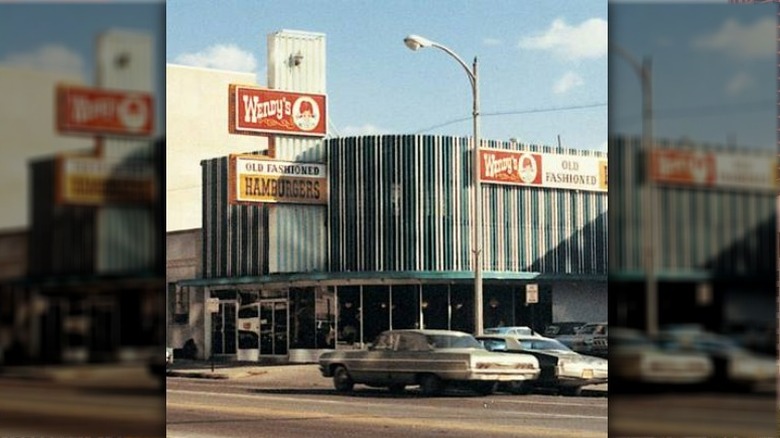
416	42
644	72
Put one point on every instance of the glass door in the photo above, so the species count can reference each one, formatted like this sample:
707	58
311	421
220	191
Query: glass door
223	329
273	327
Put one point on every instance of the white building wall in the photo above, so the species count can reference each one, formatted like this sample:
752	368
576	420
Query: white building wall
183	262
28	130
197	129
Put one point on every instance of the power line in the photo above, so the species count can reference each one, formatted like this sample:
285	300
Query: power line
705	110
508	113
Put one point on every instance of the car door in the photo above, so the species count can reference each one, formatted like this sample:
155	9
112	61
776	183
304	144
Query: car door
411	356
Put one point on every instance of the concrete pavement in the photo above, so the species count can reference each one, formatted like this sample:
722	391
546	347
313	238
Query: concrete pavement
109	375
280	375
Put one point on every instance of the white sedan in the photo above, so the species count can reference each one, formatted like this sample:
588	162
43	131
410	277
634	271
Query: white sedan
636	359
562	368
734	366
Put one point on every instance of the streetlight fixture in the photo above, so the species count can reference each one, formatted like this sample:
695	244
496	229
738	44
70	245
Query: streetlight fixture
644	72
416	42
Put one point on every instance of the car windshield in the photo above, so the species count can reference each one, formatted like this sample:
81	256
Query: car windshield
543	345
707	344
452	341
592	330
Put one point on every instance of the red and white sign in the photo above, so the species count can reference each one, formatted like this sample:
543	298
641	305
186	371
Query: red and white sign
683	167
255	110
100	111
572	172
714	169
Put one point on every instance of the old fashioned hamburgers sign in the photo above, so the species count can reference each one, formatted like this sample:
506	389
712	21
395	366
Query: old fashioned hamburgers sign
84	110
256	110
93	181
258	179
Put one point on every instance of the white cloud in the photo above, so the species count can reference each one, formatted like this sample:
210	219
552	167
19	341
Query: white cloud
367	129
587	40
52	58
220	56
739	83
741	41
492	42
568	82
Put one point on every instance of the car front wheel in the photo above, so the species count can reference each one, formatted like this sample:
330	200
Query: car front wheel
342	380
430	385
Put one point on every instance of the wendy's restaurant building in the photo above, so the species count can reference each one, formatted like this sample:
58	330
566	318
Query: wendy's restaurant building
82	279
713	237
308	244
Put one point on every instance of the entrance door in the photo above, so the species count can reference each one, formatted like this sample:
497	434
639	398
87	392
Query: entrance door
273	327
103	334
223	329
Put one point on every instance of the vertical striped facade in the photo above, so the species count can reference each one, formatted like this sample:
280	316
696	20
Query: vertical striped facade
402	203
297	240
701	230
91	240
235	237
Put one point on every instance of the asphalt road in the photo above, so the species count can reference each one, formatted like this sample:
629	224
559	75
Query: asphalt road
694	414
40	408
246	408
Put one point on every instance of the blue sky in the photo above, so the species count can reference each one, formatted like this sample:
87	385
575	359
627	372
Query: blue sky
62	37
534	57
714	71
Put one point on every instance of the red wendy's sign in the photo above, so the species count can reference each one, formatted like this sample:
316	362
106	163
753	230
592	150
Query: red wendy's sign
510	167
99	111
683	167
256	110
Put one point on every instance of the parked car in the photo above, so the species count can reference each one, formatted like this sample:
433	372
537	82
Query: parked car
515	331
590	339
734	366
562	368
432	359
567	328
636	359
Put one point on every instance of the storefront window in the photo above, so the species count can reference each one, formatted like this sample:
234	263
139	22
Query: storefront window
537	315
248	327
181	303
376	311
462	300
435	306
349	315
325	318
498	306
406	307
302	323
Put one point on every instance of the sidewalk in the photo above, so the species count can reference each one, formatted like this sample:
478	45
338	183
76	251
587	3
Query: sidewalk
109	375
294	375
281	375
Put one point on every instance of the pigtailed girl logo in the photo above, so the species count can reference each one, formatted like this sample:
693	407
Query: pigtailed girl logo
527	169
133	113
306	113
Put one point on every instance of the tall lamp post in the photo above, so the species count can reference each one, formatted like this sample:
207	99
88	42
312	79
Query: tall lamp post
416	42
644	72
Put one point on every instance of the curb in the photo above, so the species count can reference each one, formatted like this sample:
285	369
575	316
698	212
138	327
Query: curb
197	375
